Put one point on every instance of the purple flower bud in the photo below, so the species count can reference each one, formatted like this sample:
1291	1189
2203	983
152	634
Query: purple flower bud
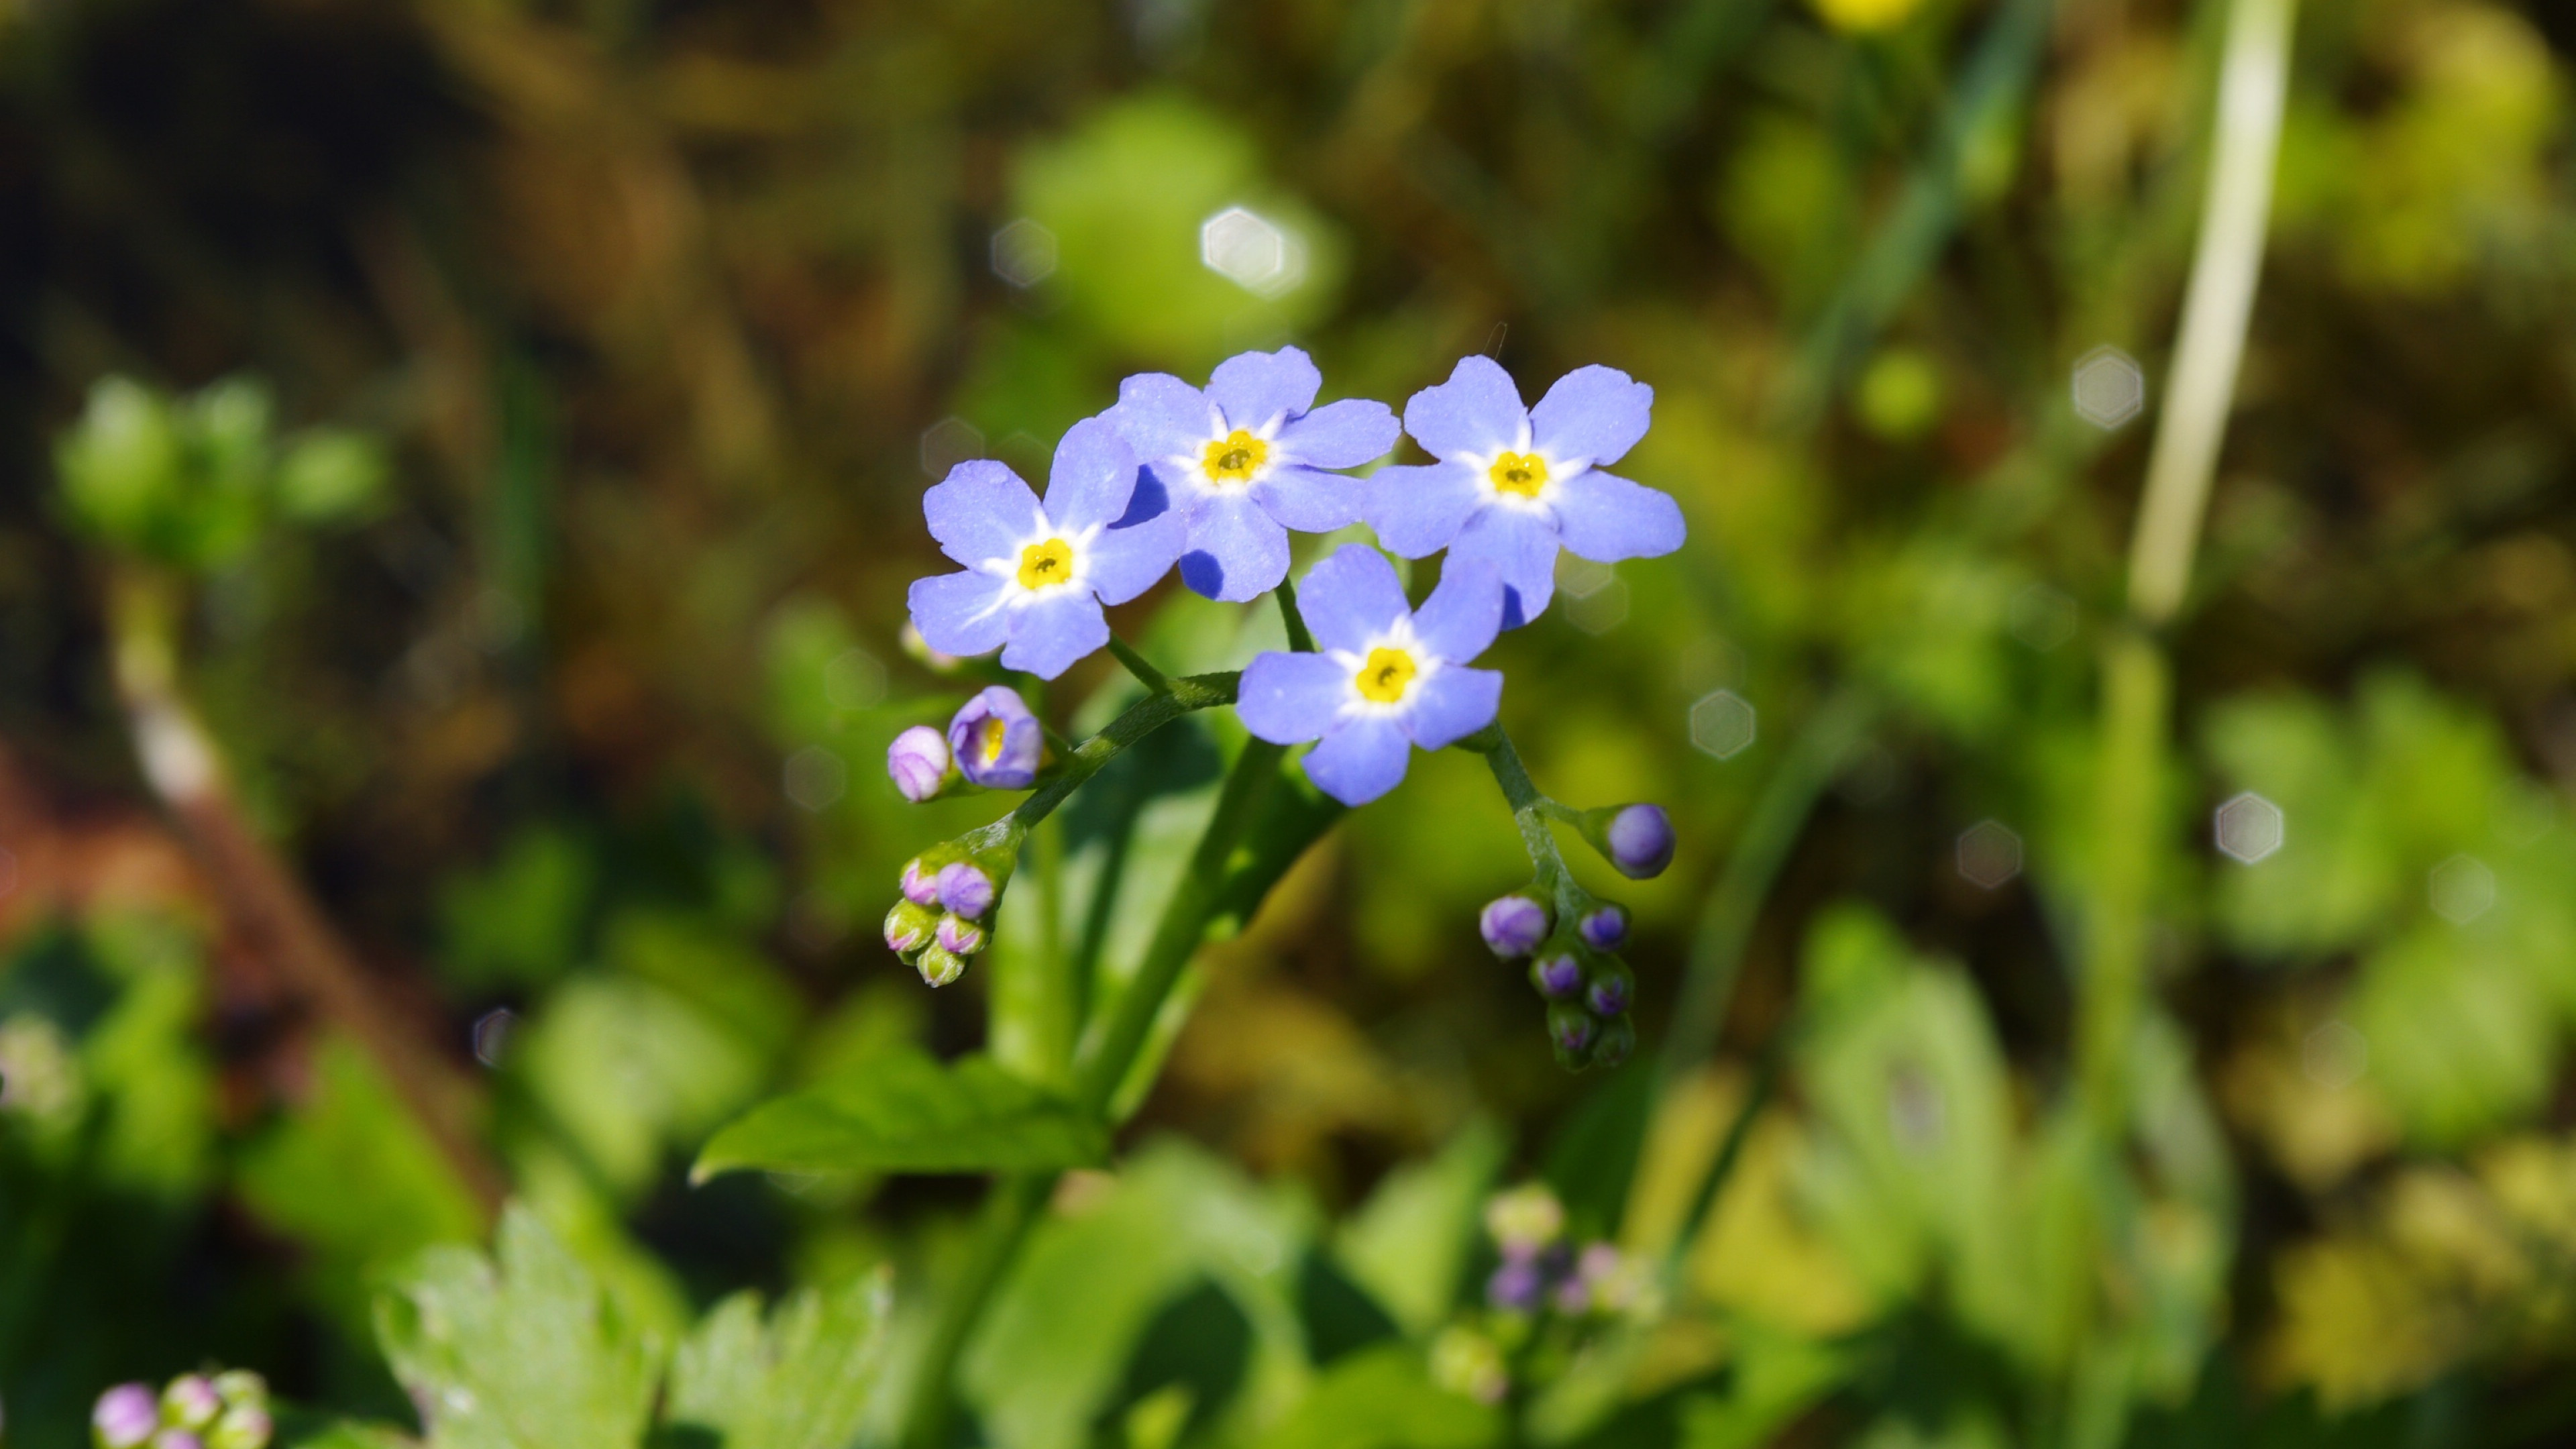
1513	925
1556	976
1640	841
125	1416
959	936
939	967
1618	1039
191	1402
1611	988
1516	1286
998	743
965	889
920	884
243	1426
917	762
909	927
1570	1029
1605	929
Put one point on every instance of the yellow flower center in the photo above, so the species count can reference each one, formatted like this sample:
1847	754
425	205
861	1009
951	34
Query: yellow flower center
1523	474
1385	677
1046	564
991	733
1234	458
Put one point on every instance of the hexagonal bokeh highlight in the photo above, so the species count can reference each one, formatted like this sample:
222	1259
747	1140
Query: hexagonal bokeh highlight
1989	855
815	778
2110	387
2248	828
853	679
1024	253
2335	1055
2461	889
2041	617
492	1034
947	443
1600	611
1723	724
1252	251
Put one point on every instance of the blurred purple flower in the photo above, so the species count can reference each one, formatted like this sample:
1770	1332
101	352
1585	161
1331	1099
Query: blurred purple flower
125	1416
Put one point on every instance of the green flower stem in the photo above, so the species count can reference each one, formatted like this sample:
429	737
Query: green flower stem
1298	637
1146	674
1009	1211
1179	697
1532	809
1106	1057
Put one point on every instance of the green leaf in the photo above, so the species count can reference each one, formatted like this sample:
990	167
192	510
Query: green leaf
526	1355
1409	1242
1382	1399
802	1382
904	1112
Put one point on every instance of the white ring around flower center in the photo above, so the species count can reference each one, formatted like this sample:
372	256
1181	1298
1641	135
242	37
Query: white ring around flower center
1014	595
1192	465
1398	636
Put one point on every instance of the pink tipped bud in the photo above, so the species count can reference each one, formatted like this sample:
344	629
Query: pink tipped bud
124	1417
960	936
191	1402
939	967
920	885
917	762
909	927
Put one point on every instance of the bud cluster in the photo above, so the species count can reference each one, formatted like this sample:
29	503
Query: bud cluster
948	898
1588	989
1542	1268
228	1410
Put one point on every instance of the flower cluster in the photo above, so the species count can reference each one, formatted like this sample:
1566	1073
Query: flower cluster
1543	1269
227	1410
1211	482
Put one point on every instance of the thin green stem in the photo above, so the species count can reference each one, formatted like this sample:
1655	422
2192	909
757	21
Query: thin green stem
1298	637
1106	1058
1183	696
1146	674
1003	1224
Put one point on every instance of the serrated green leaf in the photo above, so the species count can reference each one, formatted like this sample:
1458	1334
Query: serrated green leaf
528	1354
803	1381
904	1112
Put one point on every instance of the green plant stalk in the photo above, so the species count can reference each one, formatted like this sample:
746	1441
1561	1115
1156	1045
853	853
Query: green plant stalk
2253	86
1183	696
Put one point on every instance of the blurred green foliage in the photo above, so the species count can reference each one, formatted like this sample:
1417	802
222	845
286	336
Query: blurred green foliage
529	403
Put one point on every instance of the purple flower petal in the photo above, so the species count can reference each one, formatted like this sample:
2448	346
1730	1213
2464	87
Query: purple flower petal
1451	705
1350	596
1593	414
1258	388
1160	416
1462	616
1606	518
1049	633
1343	434
1308	500
1521	545
1093	476
996	741
1417	511
1234	551
979	511
1477	411
960	613
1361	760
1127	561
1291	698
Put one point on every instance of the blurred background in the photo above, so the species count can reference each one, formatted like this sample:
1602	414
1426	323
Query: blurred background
609	345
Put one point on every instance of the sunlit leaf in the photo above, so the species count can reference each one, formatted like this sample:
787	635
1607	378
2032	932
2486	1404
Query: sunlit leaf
905	1112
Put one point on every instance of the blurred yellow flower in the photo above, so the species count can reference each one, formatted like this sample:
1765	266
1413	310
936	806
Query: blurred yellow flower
1863	16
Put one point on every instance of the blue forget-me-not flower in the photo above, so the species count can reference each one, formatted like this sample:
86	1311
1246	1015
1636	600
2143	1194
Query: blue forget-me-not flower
1513	484
1384	679
1036	575
1244	462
